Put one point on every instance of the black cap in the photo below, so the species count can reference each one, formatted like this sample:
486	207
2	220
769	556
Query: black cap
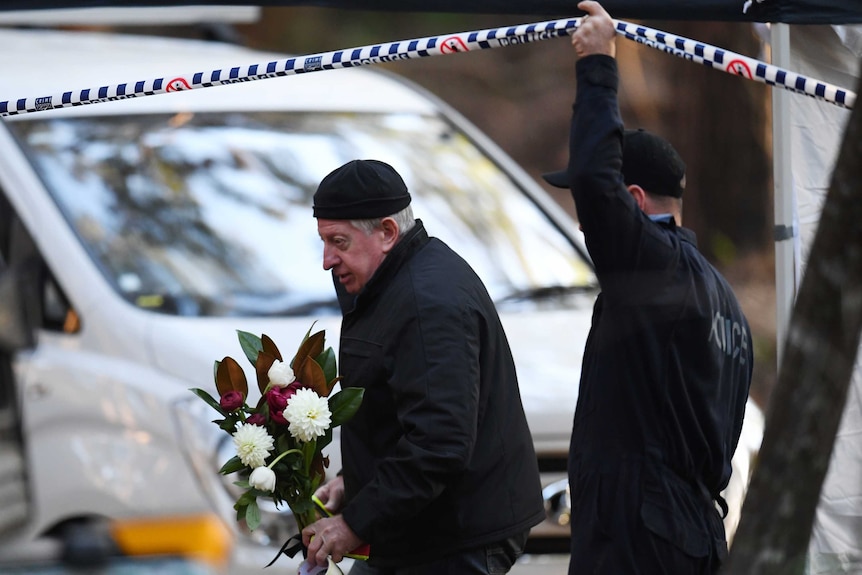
361	190
649	161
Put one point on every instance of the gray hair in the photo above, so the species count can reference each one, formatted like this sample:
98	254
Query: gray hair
404	219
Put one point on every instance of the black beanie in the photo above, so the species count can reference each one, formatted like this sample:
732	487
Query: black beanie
649	161
361	190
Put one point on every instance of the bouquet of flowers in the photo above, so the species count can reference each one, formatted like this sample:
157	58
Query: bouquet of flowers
279	441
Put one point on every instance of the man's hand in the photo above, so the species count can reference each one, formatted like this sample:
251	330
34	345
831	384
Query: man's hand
596	34
329	537
331	494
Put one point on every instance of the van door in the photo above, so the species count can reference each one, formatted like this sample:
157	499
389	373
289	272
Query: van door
15	334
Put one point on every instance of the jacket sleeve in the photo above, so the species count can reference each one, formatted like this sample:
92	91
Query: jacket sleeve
435	384
621	239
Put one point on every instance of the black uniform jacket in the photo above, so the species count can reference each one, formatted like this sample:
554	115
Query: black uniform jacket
667	364
439	456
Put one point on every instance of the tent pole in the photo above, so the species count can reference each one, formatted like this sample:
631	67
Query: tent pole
786	230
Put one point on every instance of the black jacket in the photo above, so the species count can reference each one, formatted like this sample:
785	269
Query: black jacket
439	456
667	364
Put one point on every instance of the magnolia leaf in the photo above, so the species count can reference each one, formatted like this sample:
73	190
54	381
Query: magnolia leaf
246	498
270	347
230	377
227	424
233	464
311	347
302	505
284	442
307	333
324	439
251	345
311	375
265	360
326	360
318	471
344	404
252	515
209	399
290	462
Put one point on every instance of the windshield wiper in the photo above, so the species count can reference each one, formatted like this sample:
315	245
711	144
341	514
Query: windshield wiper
545	292
262	304
329	306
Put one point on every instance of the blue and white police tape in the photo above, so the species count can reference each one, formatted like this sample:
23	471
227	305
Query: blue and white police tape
432	46
346	58
734	63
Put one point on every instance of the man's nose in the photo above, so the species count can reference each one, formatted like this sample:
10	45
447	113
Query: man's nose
330	260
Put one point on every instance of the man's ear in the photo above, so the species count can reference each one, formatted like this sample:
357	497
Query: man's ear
640	196
391	232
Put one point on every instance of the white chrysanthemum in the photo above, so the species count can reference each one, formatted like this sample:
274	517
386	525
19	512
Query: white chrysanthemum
252	444
262	478
308	414
280	374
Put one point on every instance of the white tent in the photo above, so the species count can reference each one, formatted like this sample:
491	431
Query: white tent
807	137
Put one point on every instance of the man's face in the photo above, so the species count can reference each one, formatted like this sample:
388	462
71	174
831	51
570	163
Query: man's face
350	253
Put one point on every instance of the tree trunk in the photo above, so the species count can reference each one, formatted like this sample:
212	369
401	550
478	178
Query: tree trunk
807	403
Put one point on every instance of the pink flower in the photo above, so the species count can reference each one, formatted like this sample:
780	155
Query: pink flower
256	419
278	417
276	398
292	388
231	401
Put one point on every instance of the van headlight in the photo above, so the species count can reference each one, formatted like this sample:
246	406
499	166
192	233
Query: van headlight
207	448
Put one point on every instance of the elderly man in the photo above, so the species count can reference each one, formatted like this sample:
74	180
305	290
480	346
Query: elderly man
439	472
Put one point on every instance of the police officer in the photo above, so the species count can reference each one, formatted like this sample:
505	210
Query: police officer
668	361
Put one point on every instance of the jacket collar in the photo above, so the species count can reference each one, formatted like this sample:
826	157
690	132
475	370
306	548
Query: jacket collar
667	221
687	235
409	244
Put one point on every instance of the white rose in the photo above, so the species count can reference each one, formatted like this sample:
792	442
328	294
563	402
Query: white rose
280	374
262	478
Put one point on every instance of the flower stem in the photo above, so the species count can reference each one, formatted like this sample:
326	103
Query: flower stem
305	519
282	454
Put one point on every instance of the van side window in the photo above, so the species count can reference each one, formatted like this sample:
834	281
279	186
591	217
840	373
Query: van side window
52	307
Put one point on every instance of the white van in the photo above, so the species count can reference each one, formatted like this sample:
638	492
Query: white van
164	224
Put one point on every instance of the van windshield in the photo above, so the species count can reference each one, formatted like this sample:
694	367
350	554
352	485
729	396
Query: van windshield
209	214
